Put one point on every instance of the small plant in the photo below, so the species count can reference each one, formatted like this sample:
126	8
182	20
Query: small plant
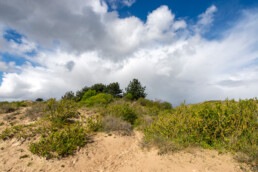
24	156
94	123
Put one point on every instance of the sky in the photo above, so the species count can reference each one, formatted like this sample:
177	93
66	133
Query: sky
184	50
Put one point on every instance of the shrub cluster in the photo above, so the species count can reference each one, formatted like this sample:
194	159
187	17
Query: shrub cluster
62	142
227	125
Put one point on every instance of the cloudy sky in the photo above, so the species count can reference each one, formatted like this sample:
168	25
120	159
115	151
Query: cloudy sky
181	50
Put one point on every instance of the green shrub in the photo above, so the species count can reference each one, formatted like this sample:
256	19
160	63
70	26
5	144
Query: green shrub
88	94
60	113
227	125
129	96
99	99
123	111
18	131
60	143
94	123
160	105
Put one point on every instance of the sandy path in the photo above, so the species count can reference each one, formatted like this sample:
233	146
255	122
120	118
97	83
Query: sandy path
115	153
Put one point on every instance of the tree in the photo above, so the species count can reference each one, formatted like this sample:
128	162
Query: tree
114	89
136	89
39	100
68	96
99	88
80	93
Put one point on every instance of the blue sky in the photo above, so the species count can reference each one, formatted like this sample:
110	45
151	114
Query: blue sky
181	50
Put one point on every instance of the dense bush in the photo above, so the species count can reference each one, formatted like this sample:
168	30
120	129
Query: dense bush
88	94
136	89
60	113
123	111
155	104
62	142
99	99
227	125
80	93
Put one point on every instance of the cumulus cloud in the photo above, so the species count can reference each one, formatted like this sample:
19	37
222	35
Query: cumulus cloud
95	45
120	3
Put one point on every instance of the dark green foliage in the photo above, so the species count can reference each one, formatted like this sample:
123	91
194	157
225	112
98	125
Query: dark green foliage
62	142
99	88
114	89
157	104
136	89
227	125
68	96
39	100
80	93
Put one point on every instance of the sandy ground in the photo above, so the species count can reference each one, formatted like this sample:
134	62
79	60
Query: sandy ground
114	153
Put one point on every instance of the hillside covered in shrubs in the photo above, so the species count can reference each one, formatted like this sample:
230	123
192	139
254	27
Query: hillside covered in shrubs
59	128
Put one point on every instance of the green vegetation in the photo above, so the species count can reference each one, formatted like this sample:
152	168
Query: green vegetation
228	125
62	142
90	98
136	89
6	107
60	129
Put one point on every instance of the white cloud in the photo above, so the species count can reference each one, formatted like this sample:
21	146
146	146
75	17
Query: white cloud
120	3
175	66
205	19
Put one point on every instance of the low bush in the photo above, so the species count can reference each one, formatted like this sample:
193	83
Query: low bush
110	123
94	123
226	125
60	113
60	143
19	131
160	105
123	111
36	111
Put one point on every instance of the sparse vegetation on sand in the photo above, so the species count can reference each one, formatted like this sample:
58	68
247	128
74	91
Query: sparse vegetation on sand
58	129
